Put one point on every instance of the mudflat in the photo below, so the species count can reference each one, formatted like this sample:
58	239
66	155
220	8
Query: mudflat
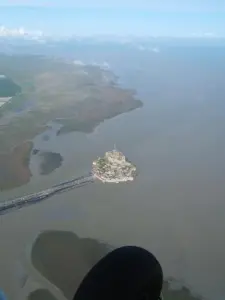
78	96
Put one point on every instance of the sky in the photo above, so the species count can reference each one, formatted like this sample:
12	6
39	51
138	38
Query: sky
117	17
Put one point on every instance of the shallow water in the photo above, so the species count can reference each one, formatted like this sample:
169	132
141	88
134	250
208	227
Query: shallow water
79	254
175	208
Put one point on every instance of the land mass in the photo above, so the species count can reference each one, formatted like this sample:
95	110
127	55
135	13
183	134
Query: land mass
113	167
14	170
49	162
79	97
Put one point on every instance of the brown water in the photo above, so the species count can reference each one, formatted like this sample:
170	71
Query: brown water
176	206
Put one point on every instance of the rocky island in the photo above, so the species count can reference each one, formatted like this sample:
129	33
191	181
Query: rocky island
113	167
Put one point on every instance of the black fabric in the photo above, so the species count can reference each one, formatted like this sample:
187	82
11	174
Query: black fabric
125	273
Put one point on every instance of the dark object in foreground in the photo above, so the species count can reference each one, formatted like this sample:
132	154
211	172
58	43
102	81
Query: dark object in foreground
126	273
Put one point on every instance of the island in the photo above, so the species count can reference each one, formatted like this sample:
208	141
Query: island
114	167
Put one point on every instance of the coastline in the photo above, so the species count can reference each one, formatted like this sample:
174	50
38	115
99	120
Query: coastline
96	101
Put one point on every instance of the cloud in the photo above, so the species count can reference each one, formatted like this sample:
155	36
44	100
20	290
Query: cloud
19	32
205	34
153	5
210	34
79	62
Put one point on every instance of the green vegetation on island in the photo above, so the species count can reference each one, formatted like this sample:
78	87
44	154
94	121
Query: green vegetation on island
114	167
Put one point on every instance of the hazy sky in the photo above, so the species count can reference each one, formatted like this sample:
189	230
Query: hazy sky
138	17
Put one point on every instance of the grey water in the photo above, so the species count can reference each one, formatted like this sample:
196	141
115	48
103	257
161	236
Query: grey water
176	206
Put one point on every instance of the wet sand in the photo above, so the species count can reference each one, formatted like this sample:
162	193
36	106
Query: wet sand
14	167
49	161
41	294
64	259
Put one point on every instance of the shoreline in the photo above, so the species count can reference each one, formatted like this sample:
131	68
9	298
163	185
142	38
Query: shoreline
106	180
96	102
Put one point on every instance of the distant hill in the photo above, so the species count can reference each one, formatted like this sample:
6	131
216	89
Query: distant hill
8	88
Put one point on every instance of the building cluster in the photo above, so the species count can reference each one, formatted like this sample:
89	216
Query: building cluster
114	167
